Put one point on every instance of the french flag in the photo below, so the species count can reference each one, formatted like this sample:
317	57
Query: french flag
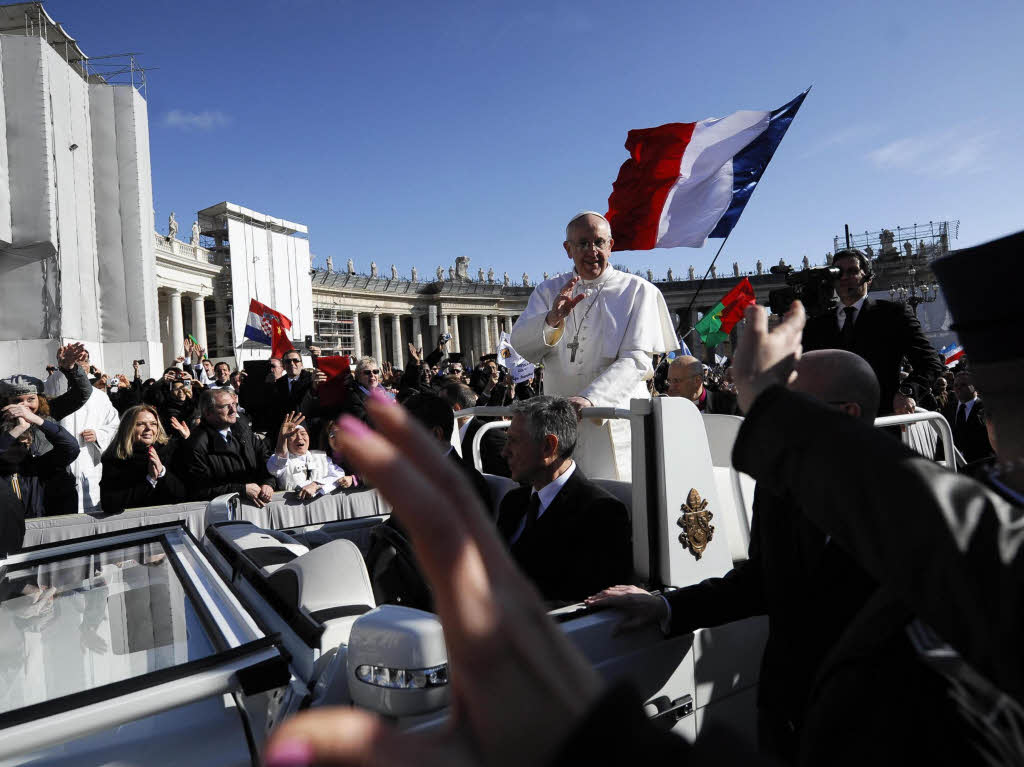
952	354
259	326
686	182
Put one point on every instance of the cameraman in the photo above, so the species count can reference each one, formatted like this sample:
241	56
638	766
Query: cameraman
881	332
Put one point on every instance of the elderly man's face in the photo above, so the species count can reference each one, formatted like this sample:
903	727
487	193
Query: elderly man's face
683	382
589	246
224	412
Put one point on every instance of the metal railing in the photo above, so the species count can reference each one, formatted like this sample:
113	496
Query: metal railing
605	413
939	422
609	413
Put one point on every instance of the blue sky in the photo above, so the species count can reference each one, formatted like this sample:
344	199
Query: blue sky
412	133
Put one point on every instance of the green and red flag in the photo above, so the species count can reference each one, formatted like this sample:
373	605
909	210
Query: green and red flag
715	326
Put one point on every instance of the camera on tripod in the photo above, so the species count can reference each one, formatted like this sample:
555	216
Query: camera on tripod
813	287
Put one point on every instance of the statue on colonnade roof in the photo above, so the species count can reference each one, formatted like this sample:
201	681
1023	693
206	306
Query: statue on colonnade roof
195	234
373	269
172	226
351	267
415	275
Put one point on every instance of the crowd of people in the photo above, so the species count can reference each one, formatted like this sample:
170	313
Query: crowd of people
845	603
202	429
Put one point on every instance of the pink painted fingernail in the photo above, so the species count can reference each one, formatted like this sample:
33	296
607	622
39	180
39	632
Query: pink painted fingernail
353	427
289	753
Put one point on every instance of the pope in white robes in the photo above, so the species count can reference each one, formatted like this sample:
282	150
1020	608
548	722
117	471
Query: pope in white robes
595	329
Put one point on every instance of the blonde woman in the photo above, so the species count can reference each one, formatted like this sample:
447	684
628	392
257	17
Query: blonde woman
138	468
309	472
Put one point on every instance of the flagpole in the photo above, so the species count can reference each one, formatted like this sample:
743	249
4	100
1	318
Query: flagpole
701	285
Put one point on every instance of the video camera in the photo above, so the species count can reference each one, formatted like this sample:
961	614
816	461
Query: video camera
813	287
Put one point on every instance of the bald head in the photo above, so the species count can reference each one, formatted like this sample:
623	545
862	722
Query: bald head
839	378
685	377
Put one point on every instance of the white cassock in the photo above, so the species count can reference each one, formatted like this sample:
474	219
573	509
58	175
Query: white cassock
101	416
621	323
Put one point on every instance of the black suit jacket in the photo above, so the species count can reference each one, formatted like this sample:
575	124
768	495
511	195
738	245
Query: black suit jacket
971	438
579	545
810	590
301	399
883	333
900	517
721	403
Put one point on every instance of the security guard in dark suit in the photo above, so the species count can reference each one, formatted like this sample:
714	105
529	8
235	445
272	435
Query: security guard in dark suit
882	332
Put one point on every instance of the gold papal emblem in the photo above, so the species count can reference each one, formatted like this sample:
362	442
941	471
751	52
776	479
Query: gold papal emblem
696	523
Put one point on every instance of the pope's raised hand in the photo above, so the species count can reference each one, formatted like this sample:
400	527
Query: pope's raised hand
564	303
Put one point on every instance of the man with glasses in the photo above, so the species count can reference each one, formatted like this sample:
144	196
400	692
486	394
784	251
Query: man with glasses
295	391
881	332
595	329
223	455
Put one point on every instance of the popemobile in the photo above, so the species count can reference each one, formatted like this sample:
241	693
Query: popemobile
183	634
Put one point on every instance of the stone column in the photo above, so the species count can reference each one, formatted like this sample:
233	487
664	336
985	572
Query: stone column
417	332
199	320
396	341
456	344
494	334
177	332
357	340
442	327
484	342
507	323
375	336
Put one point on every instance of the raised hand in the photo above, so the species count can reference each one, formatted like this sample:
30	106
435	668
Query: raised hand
319	377
180	427
413	351
517	672
764	358
564	303
71	355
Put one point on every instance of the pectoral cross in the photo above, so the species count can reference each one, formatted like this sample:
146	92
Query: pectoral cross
572	348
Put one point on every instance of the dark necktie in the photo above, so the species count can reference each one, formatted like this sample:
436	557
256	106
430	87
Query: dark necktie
532	510
848	327
508	527
961	417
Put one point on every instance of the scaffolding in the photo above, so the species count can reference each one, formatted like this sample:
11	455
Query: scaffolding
32	20
930	240
334	330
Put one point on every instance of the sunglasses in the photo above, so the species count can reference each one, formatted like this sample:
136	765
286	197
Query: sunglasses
369	372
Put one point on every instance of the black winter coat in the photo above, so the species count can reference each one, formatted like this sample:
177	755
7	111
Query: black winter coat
125	483
212	468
